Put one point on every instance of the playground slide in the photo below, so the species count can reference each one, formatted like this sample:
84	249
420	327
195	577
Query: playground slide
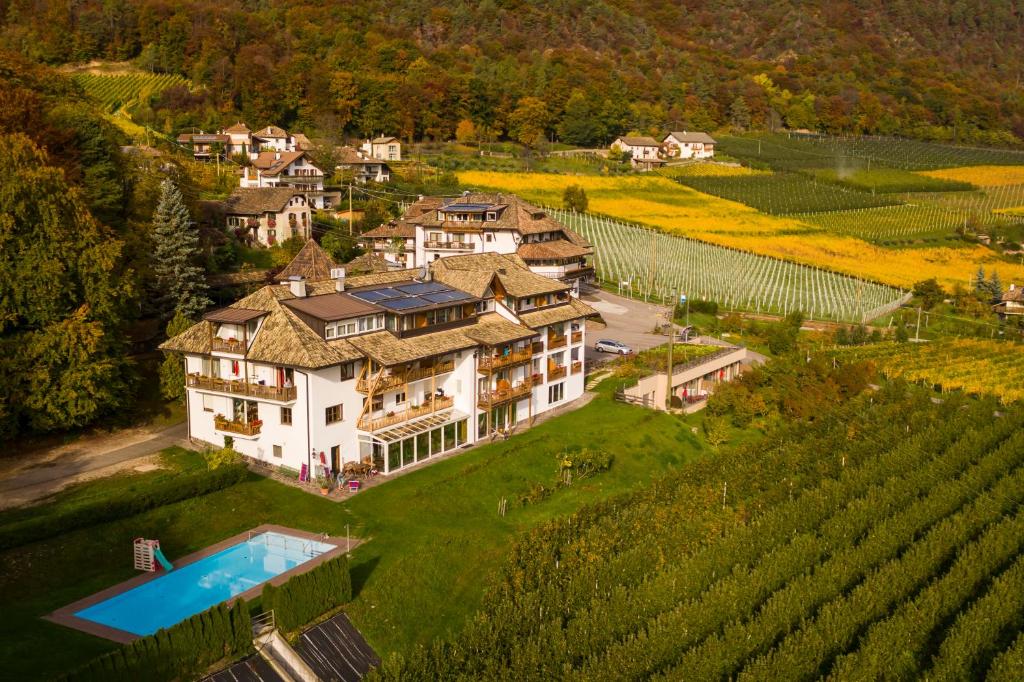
162	559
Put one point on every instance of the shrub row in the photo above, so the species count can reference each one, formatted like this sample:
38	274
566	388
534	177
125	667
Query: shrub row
110	509
310	594
181	652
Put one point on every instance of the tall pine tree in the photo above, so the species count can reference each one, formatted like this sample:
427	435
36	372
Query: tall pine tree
172	371
181	283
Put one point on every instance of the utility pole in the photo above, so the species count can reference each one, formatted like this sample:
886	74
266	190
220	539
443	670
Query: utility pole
668	370
917	334
350	229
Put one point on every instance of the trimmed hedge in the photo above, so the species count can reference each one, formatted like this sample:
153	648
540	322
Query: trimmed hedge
110	509
309	595
181	652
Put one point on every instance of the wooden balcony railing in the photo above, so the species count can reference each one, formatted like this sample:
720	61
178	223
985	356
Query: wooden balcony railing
493	362
454	246
577	367
401	378
556	341
242	387
245	429
537	378
538	346
577	337
556	372
488	399
377	423
228	345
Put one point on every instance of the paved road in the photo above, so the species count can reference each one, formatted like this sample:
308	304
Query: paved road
629	321
34	482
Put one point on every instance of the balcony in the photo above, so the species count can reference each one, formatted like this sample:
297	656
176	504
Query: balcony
577	367
493	362
450	246
556	372
488	399
394	380
556	341
242	387
577	337
222	423
538	346
392	418
228	345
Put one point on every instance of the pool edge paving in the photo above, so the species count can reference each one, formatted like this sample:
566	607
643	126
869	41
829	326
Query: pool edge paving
66	615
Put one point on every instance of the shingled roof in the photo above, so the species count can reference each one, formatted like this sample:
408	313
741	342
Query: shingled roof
238	128
639	141
271	131
258	200
474	273
555	249
272	163
392	229
692	137
571	310
513	214
311	262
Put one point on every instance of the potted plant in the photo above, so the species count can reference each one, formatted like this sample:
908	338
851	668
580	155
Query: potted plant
324	483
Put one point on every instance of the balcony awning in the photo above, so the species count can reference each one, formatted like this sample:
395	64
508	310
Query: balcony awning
414	428
234	315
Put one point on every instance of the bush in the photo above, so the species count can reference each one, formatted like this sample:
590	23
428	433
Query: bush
307	596
104	510
574	466
225	456
183	651
698	305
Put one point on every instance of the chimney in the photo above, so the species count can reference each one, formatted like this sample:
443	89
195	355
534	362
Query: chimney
297	285
277	155
1012	286
338	275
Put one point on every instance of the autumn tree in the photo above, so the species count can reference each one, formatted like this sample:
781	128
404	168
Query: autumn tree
465	132
180	280
574	198
580	125
62	292
528	122
739	114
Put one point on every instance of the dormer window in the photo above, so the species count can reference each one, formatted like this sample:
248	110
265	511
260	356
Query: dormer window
491	215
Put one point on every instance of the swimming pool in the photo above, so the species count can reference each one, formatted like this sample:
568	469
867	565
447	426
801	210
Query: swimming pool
195	587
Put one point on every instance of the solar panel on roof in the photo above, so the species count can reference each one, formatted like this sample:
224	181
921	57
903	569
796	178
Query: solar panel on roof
375	295
422	288
469	208
404	303
446	296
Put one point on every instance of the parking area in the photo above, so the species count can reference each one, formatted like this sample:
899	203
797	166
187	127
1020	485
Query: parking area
629	321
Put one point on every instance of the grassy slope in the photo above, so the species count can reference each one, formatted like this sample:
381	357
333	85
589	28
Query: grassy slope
435	533
667	205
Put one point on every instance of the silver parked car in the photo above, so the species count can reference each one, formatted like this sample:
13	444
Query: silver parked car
610	346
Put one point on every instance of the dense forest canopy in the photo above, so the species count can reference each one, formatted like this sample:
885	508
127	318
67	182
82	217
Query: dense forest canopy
580	71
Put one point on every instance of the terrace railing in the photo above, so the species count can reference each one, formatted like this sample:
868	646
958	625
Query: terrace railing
242	428
449	245
577	367
376	423
493	362
556	372
228	345
577	337
556	341
400	378
488	399
242	387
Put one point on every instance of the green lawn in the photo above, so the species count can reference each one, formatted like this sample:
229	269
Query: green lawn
435	534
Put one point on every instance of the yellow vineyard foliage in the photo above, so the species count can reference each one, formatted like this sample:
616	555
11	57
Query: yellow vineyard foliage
667	205
982	176
973	365
710	169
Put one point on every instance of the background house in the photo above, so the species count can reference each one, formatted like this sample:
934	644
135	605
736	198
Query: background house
291	169
270	214
685	145
383	148
643	151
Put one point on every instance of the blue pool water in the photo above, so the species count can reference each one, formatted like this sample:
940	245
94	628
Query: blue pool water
186	591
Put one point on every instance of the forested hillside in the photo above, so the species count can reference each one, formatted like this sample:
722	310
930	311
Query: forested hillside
579	71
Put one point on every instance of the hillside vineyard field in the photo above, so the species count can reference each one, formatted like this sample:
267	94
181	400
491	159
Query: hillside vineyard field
643	261
883	540
975	366
114	91
868	243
